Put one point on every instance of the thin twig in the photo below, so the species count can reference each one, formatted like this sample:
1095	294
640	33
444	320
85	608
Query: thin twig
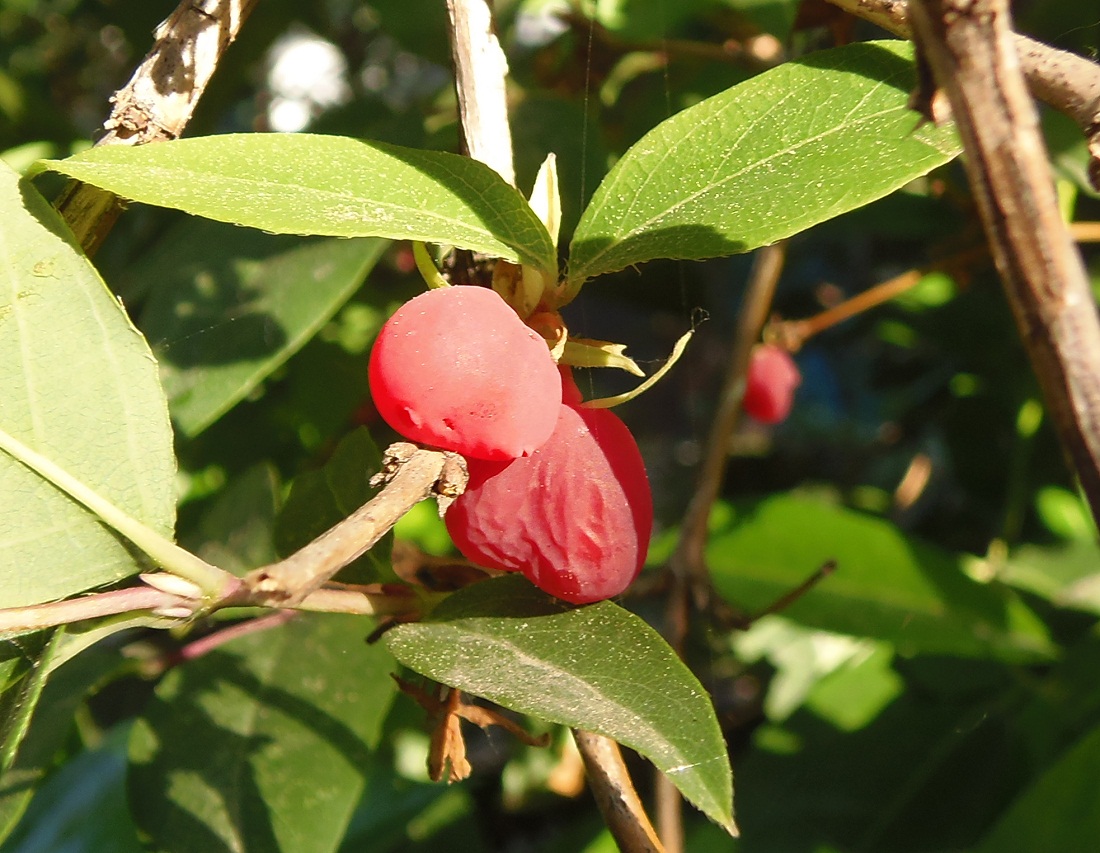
792	334
19	620
970	49
687	560
1068	82
791	596
615	795
480	72
216	639
388	600
158	101
688	569
1085	232
415	474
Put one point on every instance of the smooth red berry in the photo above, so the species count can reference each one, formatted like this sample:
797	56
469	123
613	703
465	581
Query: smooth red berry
575	517
456	368
770	384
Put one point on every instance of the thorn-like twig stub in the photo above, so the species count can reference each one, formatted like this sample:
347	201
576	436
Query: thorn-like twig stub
396	455
452	481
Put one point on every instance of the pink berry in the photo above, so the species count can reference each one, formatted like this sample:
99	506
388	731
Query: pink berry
770	384
575	516
456	368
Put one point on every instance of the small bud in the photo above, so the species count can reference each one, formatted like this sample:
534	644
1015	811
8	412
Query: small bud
172	584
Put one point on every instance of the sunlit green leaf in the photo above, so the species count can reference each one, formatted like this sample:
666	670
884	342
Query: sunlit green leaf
816	666
300	183
886	585
788	149
79	385
594	668
263	744
1067	575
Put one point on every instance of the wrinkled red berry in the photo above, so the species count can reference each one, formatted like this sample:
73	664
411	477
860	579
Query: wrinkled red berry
770	384
456	368
575	517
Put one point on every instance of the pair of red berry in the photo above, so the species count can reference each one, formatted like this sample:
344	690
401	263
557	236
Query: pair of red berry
557	491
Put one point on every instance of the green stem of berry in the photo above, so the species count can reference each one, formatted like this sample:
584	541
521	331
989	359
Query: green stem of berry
427	268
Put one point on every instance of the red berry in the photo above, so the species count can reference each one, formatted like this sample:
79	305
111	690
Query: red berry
770	384
456	368
574	517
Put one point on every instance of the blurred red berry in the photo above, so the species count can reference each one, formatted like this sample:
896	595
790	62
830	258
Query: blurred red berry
770	384
456	368
575	517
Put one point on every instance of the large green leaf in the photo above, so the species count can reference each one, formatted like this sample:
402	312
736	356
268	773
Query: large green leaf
599	668
886	585
82	807
43	724
300	183
236	531
264	744
79	385
227	306
1059	811
788	149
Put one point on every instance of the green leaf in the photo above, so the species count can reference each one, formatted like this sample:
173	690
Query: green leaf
263	744
320	499
82	807
227	306
886	585
23	669
599	668
236	532
807	661
51	719
1066	575
79	385
788	149
300	183
1059	811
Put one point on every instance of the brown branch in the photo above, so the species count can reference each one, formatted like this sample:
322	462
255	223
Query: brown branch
687	560
158	101
970	49
411	475
1068	82
615	795
480	72
792	334
690	582
1085	232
